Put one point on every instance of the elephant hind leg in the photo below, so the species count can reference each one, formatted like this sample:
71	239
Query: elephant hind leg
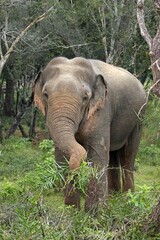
127	158
114	172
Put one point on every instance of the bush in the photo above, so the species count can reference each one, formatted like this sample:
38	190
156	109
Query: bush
149	155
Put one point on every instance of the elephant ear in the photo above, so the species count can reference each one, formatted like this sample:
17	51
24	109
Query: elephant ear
37	89
99	95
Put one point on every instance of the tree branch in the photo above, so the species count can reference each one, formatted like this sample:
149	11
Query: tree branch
103	24
5	31
148	93
157	5
5	57
141	22
155	63
36	20
1	54
115	29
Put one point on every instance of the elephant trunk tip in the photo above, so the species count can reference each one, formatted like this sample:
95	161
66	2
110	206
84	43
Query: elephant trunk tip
78	154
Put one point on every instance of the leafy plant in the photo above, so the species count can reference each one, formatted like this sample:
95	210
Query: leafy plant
46	145
141	198
47	173
9	189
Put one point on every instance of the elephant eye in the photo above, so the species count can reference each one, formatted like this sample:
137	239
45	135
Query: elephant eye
45	94
85	99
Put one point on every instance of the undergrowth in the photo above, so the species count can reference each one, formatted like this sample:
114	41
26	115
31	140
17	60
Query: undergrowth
32	201
31	194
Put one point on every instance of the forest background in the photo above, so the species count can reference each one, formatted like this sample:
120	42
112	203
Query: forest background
32	33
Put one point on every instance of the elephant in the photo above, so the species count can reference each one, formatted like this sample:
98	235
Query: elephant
93	111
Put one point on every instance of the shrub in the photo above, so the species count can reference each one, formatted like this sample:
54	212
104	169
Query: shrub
149	154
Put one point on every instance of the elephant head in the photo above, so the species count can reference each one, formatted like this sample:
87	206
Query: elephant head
69	93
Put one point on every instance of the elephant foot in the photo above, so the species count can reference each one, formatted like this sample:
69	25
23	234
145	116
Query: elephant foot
72	195
92	197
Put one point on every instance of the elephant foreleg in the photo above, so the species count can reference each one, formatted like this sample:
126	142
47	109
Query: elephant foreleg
92	197
98	185
71	193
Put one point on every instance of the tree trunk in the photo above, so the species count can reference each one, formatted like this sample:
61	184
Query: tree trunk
155	62
1	95
1	132
33	123
9	98
153	44
2	63
24	135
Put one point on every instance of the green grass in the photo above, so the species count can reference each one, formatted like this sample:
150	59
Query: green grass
149	175
32	203
17	157
31	193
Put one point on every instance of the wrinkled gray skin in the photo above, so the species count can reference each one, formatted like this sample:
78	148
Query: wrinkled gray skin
91	111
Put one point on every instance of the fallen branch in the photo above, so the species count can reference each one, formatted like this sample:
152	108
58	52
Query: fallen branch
17	121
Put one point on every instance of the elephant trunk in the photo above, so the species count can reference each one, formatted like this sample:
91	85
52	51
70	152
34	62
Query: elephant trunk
63	121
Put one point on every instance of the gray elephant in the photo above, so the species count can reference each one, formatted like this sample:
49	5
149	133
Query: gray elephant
93	111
